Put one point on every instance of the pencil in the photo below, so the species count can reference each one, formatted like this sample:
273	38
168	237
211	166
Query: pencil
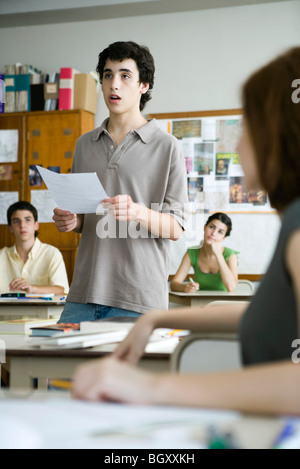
61	384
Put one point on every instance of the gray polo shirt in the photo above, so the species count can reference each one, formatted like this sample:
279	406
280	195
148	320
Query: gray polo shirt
119	264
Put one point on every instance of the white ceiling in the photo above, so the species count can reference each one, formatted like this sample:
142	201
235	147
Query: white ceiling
33	12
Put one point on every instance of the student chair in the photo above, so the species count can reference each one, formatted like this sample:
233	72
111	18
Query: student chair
207	352
244	286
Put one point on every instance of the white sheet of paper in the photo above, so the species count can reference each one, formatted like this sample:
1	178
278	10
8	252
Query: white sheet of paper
77	192
6	199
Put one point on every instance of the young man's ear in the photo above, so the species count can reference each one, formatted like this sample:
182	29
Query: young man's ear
37	225
10	229
144	88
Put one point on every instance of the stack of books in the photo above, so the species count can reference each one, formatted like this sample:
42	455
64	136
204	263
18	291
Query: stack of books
23	326
18	79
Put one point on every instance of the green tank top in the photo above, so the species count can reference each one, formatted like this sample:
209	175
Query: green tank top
208	281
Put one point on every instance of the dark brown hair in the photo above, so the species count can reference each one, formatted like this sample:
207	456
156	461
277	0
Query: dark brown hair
122	50
222	217
273	121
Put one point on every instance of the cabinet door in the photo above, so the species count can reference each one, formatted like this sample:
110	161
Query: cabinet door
11	172
51	143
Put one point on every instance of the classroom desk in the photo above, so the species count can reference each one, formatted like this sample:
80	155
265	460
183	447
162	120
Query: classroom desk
54	421
43	309
203	297
25	362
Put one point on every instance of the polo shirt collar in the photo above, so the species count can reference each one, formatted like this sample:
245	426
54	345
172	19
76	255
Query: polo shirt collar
35	248
146	132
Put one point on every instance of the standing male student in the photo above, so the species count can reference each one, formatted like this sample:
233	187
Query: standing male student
122	263
30	265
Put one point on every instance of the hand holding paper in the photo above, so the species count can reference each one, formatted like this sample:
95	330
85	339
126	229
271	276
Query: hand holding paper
78	193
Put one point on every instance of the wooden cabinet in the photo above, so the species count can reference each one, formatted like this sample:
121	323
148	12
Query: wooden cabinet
47	139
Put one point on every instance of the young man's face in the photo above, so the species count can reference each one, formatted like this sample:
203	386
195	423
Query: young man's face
23	226
121	87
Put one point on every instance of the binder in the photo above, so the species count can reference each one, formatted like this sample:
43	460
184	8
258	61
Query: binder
10	93
22	87
37	97
66	88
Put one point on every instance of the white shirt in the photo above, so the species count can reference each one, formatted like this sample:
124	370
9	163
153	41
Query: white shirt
44	266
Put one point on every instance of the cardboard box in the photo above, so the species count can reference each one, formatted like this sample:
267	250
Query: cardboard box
85	93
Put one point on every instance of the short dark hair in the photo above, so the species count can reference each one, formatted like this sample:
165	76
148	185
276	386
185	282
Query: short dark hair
22	205
273	120
121	50
223	218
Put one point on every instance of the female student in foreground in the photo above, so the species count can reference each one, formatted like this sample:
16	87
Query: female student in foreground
215	266
270	382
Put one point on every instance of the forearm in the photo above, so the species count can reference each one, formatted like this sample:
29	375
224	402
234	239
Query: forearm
267	389
219	318
158	224
229	280
177	286
56	289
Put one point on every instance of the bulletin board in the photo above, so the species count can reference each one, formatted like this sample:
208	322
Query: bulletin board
215	178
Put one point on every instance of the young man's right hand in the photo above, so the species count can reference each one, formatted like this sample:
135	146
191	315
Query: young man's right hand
65	221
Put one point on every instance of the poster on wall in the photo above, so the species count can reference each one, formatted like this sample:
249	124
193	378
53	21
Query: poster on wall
209	146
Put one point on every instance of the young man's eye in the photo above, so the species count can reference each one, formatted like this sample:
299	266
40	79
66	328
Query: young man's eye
107	75
125	76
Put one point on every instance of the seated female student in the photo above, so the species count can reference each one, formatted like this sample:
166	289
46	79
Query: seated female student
215	266
270	382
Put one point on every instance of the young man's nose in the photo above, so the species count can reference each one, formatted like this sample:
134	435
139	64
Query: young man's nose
115	83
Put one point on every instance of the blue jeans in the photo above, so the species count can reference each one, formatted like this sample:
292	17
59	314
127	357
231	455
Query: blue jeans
78	312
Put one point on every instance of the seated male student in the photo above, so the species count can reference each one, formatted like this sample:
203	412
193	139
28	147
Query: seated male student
30	265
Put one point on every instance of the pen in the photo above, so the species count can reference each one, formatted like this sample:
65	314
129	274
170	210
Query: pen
34	298
286	433
191	280
62	298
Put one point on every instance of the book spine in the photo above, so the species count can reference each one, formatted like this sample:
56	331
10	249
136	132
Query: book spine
66	88
10	93
22	83
2	93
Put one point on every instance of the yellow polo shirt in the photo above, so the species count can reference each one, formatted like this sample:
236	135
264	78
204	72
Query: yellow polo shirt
44	266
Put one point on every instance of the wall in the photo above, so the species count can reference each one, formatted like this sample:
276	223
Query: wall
201	57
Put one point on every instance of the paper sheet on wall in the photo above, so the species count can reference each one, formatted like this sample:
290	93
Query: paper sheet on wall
6	199
44	203
9	146
77	192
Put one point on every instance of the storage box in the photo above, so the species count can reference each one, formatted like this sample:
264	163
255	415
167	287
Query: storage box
85	93
50	90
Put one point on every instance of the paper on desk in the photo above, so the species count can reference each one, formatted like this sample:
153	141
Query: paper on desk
76	192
